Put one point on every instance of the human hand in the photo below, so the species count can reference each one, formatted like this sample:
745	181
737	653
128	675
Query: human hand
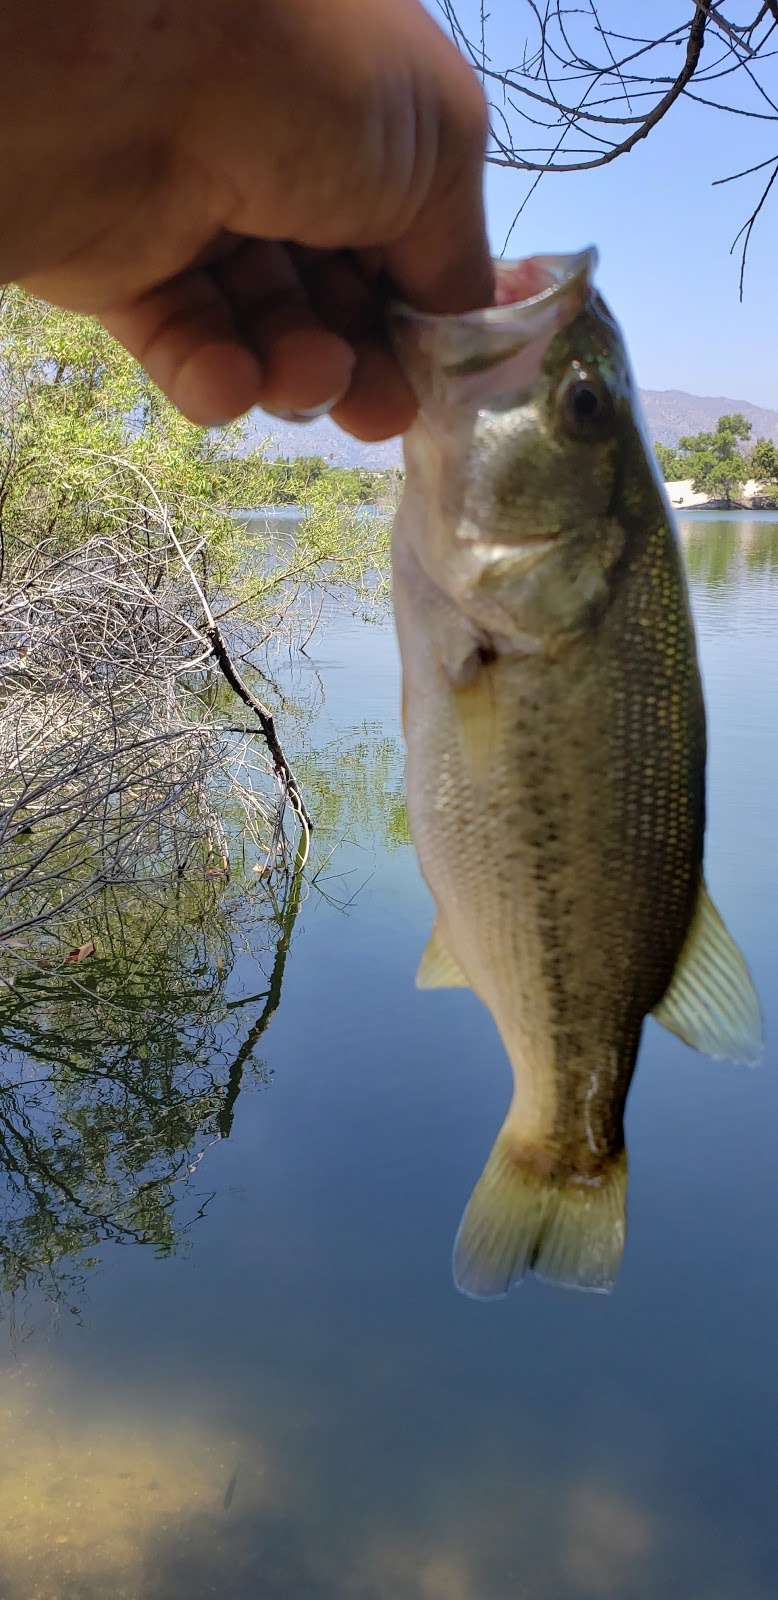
234	187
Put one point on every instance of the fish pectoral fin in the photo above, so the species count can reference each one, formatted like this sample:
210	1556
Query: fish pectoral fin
476	717
711	1003
570	1232
437	968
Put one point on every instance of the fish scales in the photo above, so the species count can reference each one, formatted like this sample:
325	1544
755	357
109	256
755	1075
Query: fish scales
576	833
556	763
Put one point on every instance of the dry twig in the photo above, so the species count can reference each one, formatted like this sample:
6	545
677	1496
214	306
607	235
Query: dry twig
116	767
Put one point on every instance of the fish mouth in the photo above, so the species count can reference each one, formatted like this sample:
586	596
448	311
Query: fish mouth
520	286
445	357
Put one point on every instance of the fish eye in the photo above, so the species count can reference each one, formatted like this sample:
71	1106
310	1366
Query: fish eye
585	404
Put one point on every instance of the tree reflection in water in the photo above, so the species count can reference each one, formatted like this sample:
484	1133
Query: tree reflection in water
117	1072
718	550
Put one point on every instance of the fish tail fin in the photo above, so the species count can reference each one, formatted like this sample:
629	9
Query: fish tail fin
568	1230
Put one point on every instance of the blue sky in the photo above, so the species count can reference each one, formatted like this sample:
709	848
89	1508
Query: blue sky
662	231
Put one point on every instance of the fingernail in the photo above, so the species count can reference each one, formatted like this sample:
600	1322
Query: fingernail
310	413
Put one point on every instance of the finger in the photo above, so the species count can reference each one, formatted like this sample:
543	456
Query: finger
220	341
379	402
306	367
344	296
184	334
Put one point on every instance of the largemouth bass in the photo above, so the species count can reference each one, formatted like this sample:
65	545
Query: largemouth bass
555	733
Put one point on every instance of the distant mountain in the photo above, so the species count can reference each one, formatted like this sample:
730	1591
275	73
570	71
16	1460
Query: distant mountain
669	413
322	438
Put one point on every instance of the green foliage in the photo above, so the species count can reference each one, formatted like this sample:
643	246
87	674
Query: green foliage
669	464
715	462
286	480
72	400
73	403
764	462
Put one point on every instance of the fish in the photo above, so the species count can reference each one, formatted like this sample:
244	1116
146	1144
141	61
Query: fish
555	736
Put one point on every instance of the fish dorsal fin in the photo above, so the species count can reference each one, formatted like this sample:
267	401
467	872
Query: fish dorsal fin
711	1003
437	968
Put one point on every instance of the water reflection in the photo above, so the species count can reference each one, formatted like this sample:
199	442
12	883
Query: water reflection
300	1404
126	1502
117	1073
721	549
131	1502
90	1501
357	779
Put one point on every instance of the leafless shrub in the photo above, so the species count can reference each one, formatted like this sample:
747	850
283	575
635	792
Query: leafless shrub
130	745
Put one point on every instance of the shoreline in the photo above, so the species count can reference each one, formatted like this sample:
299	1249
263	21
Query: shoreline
682	497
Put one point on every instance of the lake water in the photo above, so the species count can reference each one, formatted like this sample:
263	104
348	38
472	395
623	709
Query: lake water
286	1396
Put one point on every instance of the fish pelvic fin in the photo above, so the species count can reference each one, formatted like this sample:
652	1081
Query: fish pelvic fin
568	1231
711	1003
438	969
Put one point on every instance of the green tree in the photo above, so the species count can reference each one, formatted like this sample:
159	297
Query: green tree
764	462
669	464
715	461
109	499
72	402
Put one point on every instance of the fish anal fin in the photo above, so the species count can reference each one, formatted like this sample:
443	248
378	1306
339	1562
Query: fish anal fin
437	968
570	1232
711	1003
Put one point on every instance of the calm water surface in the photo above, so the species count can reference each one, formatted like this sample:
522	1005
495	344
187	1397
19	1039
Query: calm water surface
287	1397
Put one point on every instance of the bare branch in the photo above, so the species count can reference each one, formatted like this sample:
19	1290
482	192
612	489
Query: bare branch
230	672
748	227
596	92
108	779
647	123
